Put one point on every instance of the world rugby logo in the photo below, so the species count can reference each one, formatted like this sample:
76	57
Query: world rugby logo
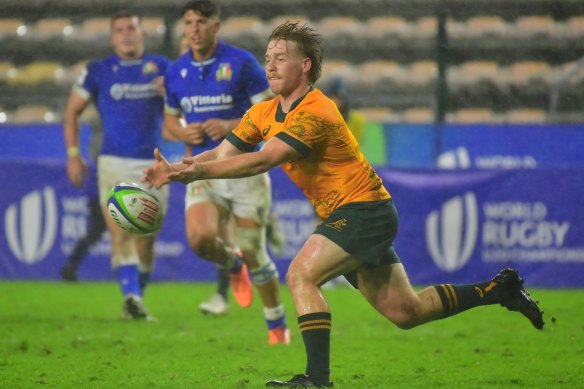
454	159
31	225
451	232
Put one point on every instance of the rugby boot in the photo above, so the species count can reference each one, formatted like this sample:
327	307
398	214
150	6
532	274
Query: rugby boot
299	381
279	335
516	297
241	287
134	308
216	305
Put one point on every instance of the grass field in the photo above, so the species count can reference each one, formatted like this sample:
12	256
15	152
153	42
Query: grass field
55	335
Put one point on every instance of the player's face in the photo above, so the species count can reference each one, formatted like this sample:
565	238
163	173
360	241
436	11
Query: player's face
127	38
286	67
201	33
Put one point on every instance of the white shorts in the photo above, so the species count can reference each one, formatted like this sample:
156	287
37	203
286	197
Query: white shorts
249	198
112	170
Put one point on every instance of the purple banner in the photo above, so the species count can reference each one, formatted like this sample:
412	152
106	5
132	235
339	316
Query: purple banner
461	226
457	226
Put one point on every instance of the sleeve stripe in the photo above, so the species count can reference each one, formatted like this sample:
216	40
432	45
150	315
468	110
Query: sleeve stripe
172	111
294	143
82	92
237	142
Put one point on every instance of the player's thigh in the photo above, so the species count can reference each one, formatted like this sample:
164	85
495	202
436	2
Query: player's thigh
204	219
319	260
121	240
204	209
251	200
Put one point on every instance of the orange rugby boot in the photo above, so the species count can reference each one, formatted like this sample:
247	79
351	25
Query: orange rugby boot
279	335
242	287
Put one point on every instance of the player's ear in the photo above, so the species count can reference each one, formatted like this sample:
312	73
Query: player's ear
306	64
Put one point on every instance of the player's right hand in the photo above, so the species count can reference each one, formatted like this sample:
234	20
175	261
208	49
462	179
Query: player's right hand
157	174
76	170
194	133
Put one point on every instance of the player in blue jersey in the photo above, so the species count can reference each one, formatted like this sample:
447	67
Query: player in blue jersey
127	89
212	86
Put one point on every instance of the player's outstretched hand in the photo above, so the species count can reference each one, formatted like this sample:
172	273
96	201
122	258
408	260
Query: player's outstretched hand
158	174
190	172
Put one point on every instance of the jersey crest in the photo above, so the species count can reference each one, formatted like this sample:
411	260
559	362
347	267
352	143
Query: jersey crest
224	72
149	67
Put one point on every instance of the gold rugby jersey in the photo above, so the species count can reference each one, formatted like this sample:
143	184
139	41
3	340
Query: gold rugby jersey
332	170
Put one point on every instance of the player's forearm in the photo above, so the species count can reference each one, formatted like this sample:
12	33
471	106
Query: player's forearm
71	130
244	165
206	156
76	104
173	127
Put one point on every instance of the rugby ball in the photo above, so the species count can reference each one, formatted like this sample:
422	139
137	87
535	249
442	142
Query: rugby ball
135	209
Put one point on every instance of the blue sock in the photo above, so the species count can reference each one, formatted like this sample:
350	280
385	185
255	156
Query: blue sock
280	322
143	279
128	279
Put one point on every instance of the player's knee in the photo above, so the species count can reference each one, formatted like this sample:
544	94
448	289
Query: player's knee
405	316
201	242
128	259
298	276
252	242
264	274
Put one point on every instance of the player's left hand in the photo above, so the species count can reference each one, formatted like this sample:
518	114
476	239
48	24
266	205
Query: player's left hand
158	174
189	173
216	129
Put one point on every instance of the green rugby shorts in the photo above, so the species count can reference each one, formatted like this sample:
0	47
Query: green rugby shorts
365	230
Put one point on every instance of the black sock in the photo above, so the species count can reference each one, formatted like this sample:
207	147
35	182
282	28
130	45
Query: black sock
143	279
222	282
456	299
316	334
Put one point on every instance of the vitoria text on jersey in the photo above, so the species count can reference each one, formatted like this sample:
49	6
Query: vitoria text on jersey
222	87
130	107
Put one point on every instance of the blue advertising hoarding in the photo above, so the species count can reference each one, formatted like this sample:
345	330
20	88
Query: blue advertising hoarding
457	226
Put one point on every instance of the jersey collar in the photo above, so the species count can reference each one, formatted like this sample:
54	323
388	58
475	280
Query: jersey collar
281	115
216	54
128	62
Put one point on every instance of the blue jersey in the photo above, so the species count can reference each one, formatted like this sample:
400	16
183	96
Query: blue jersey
222	87
130	107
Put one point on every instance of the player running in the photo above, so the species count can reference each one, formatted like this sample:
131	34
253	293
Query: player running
126	88
212	85
306	134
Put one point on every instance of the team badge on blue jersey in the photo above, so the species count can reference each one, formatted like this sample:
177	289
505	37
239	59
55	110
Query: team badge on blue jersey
149	67
224	72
